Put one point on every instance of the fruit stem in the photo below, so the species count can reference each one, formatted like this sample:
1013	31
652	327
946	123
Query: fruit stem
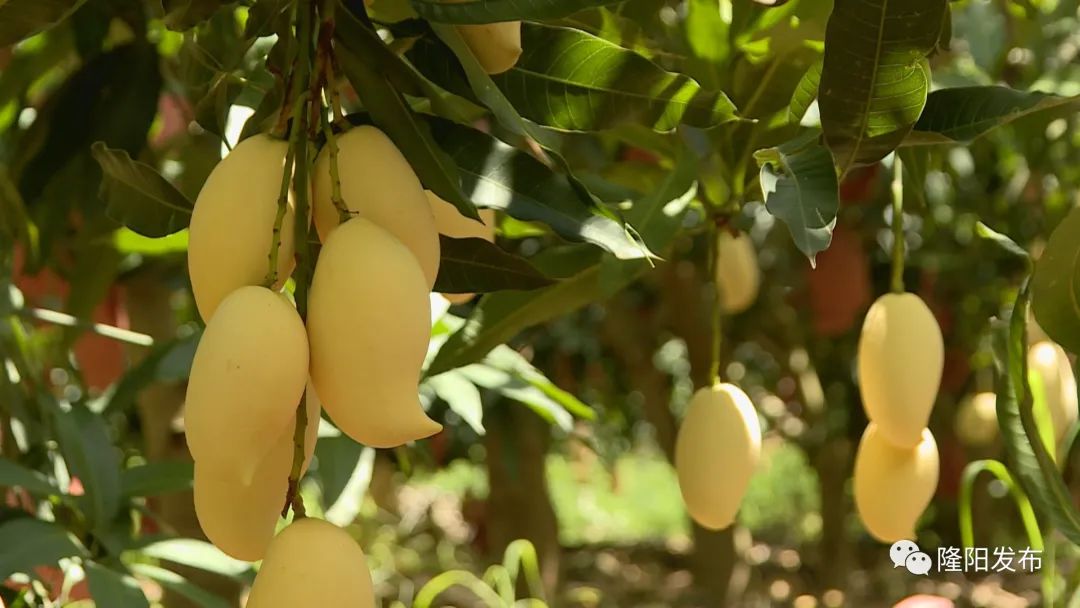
898	225
299	146
717	310
335	174
283	195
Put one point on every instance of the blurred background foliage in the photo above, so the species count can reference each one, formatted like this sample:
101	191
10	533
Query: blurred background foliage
561	404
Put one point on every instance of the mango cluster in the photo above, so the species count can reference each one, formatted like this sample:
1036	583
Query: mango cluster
900	361
358	355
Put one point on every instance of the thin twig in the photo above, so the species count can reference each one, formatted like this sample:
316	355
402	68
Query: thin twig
106	331
898	226
717	309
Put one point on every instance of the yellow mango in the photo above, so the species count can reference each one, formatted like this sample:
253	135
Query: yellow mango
449	221
369	323
232	223
976	420
1049	365
738	276
313	563
240	519
894	485
716	452
377	184
497	46
901	357
246	380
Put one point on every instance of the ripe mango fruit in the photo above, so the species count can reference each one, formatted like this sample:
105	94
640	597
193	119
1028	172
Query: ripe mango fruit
901	358
378	185
450	222
976	420
894	485
246	380
1049	366
716	452
738	276
240	519
497	46
232	223
313	563
369	324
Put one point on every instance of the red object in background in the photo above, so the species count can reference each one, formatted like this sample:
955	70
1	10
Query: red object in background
840	285
176	114
953	459
860	185
639	155
100	359
925	601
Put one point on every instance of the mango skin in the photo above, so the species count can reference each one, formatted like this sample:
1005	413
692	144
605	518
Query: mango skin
716	453
894	485
901	357
246	380
369	324
976	420
233	221
738	276
497	46
313	563
1049	364
377	184
240	519
450	222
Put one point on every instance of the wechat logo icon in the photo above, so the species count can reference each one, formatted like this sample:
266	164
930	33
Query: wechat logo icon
906	554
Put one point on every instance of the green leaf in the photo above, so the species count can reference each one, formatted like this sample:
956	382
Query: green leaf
498	317
370	66
90	455
507	359
14	474
181	15
337	457
805	93
150	369
157	478
800	187
112	588
196	554
29	543
1029	458
181	586
516	389
348	502
493	11
875	76
462	396
1055	286
21	19
1004	242
960	115
502	177
138	196
479	266
570	80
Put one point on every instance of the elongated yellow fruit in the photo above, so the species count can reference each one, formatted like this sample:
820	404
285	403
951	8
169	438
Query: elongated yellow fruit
716	452
901	356
449	221
377	184
976	420
240	519
313	563
497	46
894	485
232	224
738	276
369	323
1049	365
246	380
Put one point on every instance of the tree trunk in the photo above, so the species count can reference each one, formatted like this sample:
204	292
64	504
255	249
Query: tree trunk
159	404
519	504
